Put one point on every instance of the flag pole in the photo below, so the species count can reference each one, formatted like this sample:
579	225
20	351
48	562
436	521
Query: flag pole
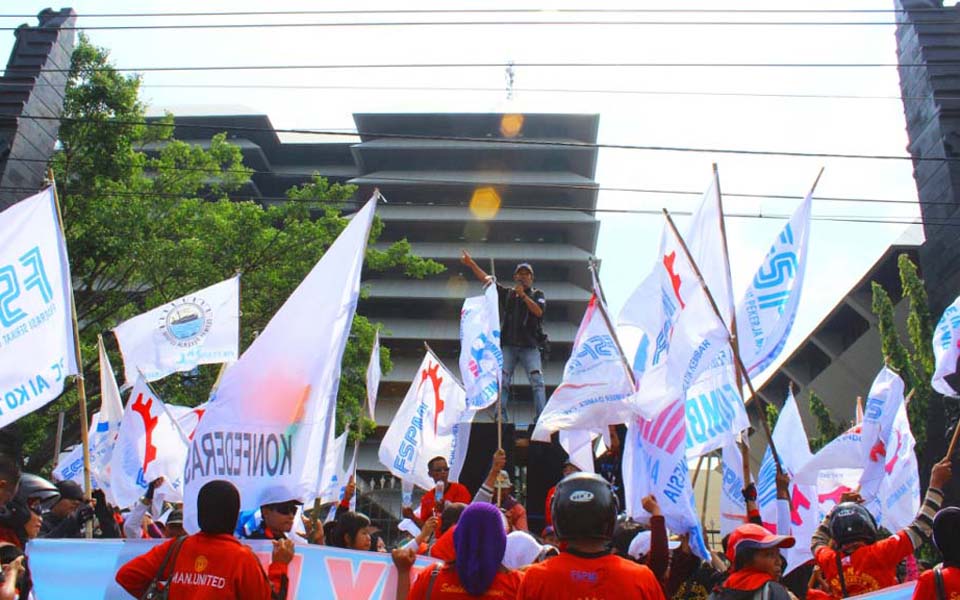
953	441
706	493
58	441
734	339
606	319
696	472
81	384
716	311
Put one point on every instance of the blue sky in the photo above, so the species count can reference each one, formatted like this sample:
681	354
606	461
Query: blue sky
738	108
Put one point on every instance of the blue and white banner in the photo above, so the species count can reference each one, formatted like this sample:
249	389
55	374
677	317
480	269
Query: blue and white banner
899	495
85	570
883	403
715	411
36	326
275	406
654	462
596	387
768	309
481	359
418	433
946	350
196	329
733	508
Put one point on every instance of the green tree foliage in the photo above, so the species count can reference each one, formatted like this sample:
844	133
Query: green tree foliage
915	362
149	218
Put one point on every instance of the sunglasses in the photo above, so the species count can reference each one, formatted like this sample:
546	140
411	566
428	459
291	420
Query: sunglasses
441	470
285	509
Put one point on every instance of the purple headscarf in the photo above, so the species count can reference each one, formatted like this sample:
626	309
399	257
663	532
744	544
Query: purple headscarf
480	540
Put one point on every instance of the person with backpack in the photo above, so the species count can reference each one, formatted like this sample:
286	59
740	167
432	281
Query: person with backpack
943	581
755	570
211	564
848	553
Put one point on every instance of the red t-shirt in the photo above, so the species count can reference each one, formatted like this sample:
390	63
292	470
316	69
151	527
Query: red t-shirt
868	569
927	586
447	586
608	577
547	511
454	492
207	567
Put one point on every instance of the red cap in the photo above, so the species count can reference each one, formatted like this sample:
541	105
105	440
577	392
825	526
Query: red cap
755	536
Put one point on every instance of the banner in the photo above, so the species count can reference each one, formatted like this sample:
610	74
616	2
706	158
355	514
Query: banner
946	351
85	570
373	375
36	325
654	462
196	329
149	445
794	451
766	313
274	407
667	325
733	509
481	359
883	402
596	386
417	433
899	495
714	408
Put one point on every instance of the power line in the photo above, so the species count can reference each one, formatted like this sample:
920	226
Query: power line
506	141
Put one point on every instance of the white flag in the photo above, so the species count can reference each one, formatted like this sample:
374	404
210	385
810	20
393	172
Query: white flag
883	403
733	509
578	445
417	434
273	407
481	360
332	475
36	326
596	387
149	445
654	463
768	309
196	329
667	325
946	351
899	494
794	450
715	410
373	375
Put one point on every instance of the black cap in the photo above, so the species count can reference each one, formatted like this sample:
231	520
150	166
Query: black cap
523	265
175	518
70	490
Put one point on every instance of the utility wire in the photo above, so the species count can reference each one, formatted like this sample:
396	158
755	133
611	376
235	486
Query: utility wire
500	141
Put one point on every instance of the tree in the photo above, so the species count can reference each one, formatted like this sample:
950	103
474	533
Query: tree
144	228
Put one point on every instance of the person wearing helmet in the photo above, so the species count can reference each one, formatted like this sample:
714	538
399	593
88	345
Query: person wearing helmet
754	555
584	514
9	478
943	581
857	562
521	330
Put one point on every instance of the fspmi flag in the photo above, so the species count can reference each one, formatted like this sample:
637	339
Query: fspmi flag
946	350
274	407
481	360
150	445
417	432
196	329
36	327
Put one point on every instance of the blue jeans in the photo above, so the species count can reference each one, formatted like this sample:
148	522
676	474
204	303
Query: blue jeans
530	359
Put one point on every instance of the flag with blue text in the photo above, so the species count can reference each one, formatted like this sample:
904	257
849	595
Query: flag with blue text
946	351
883	403
36	326
481	359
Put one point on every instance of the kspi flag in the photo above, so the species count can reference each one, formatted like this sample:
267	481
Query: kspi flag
883	403
768	309
596	385
36	327
481	359
150	445
946	351
196	329
373	376
274	407
416	433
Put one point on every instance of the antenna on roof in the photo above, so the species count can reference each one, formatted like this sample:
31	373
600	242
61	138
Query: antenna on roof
510	74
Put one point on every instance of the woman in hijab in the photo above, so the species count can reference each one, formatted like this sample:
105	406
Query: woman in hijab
481	540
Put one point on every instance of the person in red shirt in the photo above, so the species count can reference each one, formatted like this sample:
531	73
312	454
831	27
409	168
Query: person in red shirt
943	581
452	492
212	564
478	572
568	468
754	554
584	514
856	562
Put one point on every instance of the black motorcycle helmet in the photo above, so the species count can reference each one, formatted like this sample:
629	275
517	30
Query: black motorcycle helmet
584	507
37	492
851	522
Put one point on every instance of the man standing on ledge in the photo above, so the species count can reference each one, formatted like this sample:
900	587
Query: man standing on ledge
521	330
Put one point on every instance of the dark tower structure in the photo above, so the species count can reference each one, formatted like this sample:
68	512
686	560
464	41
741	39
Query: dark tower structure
33	86
928	48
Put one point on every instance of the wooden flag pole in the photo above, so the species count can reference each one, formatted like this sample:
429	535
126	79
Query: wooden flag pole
706	493
613	331
81	384
953	441
696	473
716	311
58	441
734	339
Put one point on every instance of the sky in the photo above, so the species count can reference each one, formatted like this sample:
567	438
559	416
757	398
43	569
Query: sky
795	109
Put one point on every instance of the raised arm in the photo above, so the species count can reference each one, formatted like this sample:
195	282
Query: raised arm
479	273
